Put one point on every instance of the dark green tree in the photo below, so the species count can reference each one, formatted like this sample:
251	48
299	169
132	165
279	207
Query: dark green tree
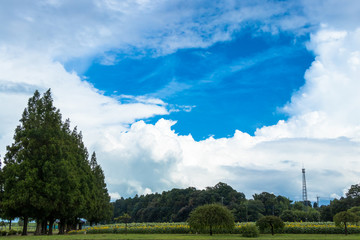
270	222
100	207
211	217
268	200
325	213
35	143
288	216
47	174
354	191
355	210
254	210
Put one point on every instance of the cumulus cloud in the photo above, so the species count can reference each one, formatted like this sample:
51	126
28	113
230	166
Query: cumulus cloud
326	106
321	134
94	113
322	131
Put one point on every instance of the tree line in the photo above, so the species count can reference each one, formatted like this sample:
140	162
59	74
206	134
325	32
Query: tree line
48	174
175	205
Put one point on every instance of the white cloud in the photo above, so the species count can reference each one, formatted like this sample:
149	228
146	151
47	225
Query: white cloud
95	114
65	30
322	132
114	196
327	105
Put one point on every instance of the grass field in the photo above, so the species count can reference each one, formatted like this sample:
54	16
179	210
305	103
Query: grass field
186	236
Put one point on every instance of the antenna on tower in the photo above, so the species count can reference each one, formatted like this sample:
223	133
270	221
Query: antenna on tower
304	191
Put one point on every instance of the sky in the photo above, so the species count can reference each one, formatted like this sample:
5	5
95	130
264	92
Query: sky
173	94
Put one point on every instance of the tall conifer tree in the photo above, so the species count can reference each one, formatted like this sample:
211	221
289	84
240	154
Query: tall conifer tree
47	174
101	209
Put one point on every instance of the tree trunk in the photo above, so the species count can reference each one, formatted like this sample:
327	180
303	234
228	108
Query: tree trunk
345	228
24	231
51	224
272	229
9	224
38	228
43	227
211	230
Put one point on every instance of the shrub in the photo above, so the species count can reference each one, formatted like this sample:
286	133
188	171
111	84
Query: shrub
250	230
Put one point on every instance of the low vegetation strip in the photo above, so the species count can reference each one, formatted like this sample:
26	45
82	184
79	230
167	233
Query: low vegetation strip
183	228
187	237
319	228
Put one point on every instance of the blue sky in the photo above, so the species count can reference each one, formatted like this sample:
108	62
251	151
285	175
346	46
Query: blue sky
190	93
236	84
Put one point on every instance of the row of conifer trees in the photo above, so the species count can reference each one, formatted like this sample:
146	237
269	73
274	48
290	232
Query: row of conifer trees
47	174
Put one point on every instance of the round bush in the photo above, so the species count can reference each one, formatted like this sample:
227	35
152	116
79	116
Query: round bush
211	218
250	230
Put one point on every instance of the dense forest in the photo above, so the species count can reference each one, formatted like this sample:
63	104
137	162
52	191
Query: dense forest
48	174
176	205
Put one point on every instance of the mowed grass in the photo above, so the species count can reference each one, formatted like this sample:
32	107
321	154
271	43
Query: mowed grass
185	236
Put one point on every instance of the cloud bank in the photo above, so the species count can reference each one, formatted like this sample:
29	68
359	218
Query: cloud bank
322	132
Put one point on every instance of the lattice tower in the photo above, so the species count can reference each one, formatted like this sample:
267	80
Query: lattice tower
304	191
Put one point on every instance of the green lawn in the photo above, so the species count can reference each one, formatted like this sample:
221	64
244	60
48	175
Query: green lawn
185	236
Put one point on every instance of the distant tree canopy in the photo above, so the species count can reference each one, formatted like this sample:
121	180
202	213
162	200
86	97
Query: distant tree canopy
176	205
47	173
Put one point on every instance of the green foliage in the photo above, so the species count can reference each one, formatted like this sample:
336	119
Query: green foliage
99	201
318	228
47	175
125	218
298	206
250	230
175	205
344	218
255	208
354	191
211	217
270	222
355	210
288	216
